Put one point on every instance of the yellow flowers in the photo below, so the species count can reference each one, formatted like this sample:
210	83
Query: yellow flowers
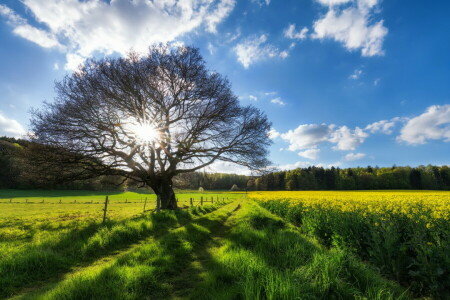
410	203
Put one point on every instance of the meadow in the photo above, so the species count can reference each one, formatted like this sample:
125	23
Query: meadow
260	245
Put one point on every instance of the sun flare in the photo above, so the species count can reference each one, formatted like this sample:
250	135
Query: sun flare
145	133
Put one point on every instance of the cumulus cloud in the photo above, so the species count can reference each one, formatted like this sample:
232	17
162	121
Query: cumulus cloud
83	28
278	101
383	126
307	136
10	127
273	134
347	139
253	98
352	25
297	35
312	154
226	167
255	48
433	124
354	156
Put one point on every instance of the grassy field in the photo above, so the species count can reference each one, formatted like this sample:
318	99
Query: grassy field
264	245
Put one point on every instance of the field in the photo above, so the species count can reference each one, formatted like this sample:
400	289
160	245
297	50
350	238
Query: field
405	234
260	245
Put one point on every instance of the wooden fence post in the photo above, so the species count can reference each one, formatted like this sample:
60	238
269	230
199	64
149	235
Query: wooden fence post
105	209
59	201
145	203
212	200
192	202
201	200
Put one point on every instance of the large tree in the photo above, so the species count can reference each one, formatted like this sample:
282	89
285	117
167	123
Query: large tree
150	118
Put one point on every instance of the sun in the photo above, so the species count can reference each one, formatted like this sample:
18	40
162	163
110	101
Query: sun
145	133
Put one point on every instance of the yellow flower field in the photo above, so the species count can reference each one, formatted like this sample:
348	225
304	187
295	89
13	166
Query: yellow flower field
407	202
405	234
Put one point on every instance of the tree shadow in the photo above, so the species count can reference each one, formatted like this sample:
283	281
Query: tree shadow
78	248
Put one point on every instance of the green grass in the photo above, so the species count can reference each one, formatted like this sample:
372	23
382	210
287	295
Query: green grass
239	251
43	259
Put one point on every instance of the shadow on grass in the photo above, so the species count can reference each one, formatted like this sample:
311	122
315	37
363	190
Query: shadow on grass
52	259
264	258
150	271
230	254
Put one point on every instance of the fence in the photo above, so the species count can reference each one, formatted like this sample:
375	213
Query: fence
185	203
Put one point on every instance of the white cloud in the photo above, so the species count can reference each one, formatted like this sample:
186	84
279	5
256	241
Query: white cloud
292	34
270	93
83	28
261	2
354	156
284	54
26	31
222	11
278	101
10	127
352	25
376	81
273	134
332	2
383	126
226	167
347	139
312	154
307	136
433	124
296	165
356	74
252	97
56	66
254	49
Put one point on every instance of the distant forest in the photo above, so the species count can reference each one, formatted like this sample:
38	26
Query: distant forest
18	171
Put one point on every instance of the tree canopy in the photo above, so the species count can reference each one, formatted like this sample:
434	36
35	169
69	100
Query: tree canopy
150	118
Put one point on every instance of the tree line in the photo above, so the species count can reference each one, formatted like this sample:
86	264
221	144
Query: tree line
360	178
20	170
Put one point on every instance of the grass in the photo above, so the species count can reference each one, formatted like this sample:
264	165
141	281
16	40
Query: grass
36	248
239	250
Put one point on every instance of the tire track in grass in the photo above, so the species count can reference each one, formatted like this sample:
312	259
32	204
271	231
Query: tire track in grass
142	271
186	281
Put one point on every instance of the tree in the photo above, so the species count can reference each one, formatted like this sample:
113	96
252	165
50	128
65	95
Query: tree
150	118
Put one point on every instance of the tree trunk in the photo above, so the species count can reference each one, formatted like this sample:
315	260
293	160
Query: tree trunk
165	194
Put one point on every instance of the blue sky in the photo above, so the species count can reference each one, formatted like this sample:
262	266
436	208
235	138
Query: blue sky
344	82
